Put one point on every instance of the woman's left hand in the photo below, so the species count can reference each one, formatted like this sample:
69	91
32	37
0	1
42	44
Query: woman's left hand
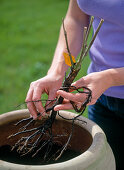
97	82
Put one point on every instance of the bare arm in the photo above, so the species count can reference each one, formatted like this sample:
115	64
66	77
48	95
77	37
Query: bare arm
117	76
75	21
98	82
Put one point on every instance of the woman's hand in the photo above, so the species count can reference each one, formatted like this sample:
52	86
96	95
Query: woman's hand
97	82
49	85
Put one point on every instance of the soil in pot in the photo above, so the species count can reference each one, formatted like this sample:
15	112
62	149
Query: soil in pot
14	157
80	142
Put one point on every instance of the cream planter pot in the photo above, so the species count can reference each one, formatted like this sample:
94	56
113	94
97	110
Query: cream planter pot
88	138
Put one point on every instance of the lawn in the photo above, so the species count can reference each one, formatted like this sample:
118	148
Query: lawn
28	35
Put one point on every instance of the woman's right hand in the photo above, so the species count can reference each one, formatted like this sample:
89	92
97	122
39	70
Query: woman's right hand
49	85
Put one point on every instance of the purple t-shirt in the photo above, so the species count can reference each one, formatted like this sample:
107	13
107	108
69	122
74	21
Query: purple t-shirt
107	50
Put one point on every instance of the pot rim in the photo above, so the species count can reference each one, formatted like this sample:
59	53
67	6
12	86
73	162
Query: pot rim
99	139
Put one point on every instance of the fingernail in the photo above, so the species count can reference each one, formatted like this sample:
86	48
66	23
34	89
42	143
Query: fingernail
56	109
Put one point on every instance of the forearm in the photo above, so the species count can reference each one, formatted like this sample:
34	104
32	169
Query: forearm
74	24
116	76
112	77
74	34
97	82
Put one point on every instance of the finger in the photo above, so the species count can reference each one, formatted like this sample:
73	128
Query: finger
30	104
66	106
52	96
93	101
66	95
65	101
79	83
36	98
77	97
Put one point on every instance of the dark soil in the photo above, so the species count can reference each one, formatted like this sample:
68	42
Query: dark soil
80	142
14	157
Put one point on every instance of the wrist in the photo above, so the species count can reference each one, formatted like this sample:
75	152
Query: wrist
58	68
55	73
112	77
117	76
107	78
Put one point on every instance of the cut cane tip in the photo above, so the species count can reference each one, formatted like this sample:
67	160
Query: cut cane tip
15	124
10	136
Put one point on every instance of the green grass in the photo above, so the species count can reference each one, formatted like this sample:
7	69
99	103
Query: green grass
28	35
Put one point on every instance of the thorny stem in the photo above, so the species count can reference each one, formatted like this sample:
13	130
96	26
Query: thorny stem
89	28
84	45
66	40
84	54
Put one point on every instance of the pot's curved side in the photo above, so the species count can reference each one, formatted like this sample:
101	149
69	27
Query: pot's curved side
13	115
98	156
